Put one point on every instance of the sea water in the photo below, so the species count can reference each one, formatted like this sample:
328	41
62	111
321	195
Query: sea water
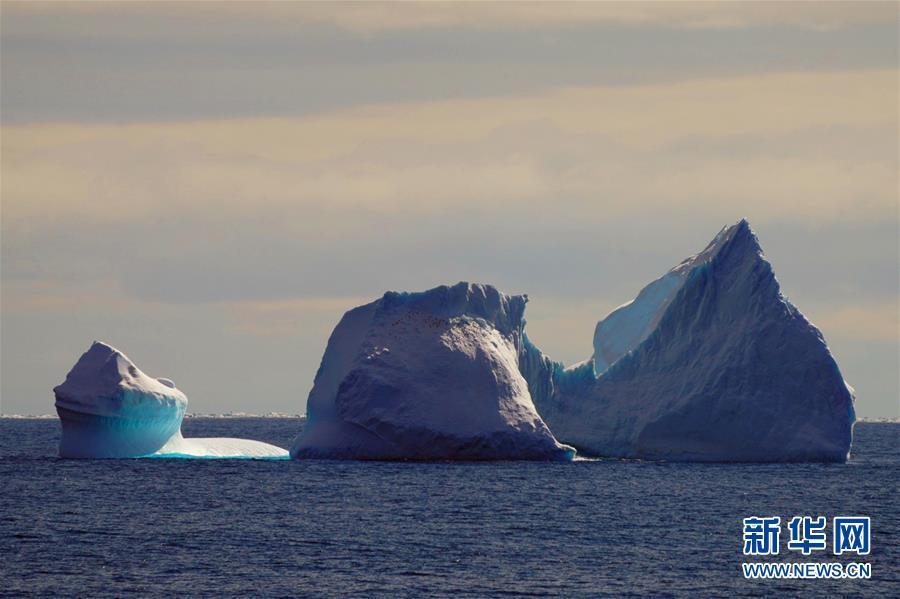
323	528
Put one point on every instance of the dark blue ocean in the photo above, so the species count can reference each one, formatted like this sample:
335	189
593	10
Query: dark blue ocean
319	528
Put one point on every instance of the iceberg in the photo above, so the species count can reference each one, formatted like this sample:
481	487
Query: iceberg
710	362
110	409
427	376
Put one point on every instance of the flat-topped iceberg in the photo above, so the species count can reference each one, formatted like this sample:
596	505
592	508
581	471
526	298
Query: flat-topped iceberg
709	363
427	376
110	409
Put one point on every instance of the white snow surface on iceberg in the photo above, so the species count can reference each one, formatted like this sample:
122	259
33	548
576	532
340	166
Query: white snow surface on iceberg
217	447
427	376
110	409
708	363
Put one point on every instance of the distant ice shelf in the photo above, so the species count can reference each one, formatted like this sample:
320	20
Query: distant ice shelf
110	409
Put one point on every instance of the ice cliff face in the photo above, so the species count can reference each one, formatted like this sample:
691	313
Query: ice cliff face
709	363
626	326
427	376
110	409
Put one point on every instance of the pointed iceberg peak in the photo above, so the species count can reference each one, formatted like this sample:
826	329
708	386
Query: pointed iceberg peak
738	236
742	227
728	232
627	326
100	346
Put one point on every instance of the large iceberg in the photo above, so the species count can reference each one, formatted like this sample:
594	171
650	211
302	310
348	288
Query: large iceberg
110	409
708	363
427	376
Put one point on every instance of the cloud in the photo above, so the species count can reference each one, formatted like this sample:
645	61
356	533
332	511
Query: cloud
365	17
570	151
862	321
257	233
414	194
290	317
786	146
134	62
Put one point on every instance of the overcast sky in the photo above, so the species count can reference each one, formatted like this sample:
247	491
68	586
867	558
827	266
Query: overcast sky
209	186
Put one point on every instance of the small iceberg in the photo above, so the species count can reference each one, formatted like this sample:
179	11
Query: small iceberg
110	409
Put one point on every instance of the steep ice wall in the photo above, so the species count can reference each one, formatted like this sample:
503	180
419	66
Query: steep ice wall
628	325
720	367
431	375
110	409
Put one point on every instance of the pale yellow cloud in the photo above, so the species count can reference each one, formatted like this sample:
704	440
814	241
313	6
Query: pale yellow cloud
864	321
289	317
791	146
42	295
366	17
307	317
